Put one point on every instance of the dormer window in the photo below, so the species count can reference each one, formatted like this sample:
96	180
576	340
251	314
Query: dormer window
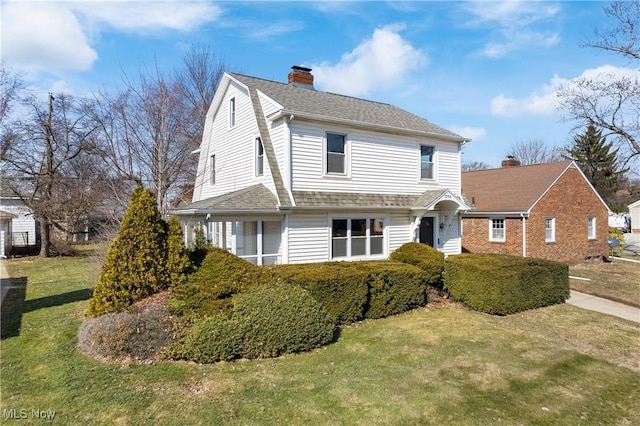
336	154
259	157
232	112
426	161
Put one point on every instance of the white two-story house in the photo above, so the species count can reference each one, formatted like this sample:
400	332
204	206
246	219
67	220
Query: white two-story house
289	174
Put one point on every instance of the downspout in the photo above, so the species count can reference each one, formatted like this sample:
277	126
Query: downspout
524	235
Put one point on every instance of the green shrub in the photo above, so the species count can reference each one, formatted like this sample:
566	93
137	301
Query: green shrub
267	321
208	291
178	263
618	234
502	284
340	287
394	288
135	266
427	258
281	319
138	334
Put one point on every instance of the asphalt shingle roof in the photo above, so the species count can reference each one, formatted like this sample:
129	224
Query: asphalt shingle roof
253	198
331	106
351	200
509	189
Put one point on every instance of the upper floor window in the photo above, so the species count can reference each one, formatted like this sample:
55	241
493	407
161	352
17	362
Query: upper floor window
496	230
426	161
591	227
550	229
336	154
232	112
212	170
259	157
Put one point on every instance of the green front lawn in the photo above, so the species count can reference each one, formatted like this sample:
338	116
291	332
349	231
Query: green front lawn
438	365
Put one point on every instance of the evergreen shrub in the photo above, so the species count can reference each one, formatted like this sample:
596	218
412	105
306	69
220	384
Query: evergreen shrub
394	288
135	266
267	321
427	258
209	290
178	263
503	284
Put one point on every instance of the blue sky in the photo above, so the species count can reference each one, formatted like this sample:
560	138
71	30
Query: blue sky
487	70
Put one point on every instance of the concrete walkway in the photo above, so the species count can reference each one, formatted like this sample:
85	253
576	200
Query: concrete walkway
605	306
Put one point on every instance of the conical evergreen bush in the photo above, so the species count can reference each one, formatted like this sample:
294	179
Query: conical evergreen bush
136	264
178	263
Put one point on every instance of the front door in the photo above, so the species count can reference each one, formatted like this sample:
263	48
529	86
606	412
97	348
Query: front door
426	231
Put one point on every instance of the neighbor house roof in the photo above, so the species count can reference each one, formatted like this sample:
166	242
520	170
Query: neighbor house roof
510	189
326	106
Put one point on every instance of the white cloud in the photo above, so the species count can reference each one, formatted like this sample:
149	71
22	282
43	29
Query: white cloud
544	101
519	24
473	133
59	35
382	61
41	35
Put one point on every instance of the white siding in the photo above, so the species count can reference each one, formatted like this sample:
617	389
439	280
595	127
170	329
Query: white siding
308	238
399	230
23	223
234	148
371	156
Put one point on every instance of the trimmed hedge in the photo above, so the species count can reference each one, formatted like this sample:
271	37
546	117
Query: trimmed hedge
427	258
503	284
351	291
209	290
267	321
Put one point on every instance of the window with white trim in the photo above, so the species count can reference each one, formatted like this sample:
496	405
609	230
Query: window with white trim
336	154
357	237
426	161
591	227
232	112
212	170
496	230
259	157
550	230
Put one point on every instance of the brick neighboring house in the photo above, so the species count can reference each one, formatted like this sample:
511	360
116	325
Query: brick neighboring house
548	211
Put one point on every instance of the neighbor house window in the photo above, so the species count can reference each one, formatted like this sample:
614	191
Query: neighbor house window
496	230
550	229
357	237
426	161
259	157
336	154
232	112
212	170
591	227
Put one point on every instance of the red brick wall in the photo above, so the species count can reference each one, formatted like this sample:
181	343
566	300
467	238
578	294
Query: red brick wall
570	201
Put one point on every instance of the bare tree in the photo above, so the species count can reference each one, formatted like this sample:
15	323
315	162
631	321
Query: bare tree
10	86
607	101
534	151
46	143
474	165
150	129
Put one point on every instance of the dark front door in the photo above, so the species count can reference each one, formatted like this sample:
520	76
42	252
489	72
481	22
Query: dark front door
426	231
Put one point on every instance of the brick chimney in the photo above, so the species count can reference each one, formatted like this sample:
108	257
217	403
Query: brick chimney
510	161
301	77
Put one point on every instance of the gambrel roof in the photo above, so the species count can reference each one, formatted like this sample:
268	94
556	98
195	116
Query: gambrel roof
331	107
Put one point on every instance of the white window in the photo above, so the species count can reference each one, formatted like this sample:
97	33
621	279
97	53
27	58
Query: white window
426	161
212	170
259	157
550	229
357	237
232	112
336	160
258	242
496	230
591	227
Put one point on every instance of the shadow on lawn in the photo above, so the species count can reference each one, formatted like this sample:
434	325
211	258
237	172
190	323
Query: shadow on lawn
14	305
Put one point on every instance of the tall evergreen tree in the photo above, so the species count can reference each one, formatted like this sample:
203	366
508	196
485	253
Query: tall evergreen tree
598	162
136	264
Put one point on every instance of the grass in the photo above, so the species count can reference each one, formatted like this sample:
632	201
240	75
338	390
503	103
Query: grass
439	365
619	280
